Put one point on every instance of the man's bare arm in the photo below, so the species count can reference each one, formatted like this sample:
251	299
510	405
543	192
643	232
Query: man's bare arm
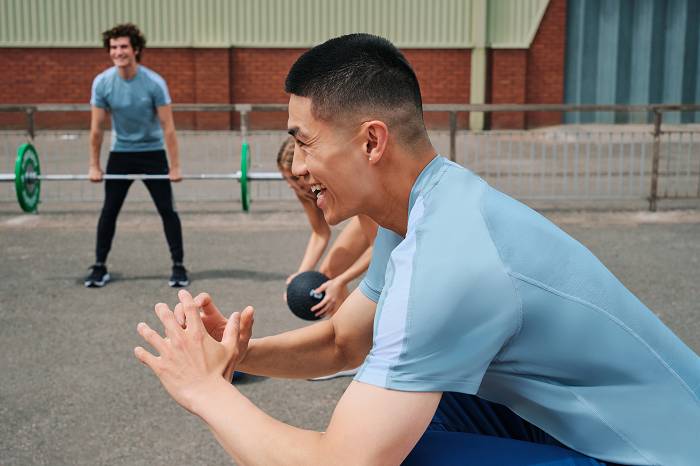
98	116
193	366
341	342
165	114
370	426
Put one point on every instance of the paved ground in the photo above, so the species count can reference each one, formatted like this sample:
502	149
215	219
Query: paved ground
72	393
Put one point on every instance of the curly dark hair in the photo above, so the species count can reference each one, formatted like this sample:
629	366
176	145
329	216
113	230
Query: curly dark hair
130	30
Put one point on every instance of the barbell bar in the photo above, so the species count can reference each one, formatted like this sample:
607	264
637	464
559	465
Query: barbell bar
27	177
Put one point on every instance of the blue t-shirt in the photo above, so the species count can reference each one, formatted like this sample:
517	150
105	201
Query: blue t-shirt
485	296
133	105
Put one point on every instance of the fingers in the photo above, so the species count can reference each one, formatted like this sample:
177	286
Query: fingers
323	286
239	327
232	329
145	357
179	312
246	325
204	301
172	328
326	307
291	277
328	296
324	302
151	337
191	310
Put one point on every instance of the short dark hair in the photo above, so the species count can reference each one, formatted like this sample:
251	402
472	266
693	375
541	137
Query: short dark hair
130	30
357	73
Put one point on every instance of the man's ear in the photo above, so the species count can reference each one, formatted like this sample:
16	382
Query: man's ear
376	140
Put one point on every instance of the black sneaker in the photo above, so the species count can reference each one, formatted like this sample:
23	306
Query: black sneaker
98	276
178	279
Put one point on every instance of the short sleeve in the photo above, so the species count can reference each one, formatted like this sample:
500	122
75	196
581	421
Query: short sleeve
447	309
97	96
161	96
373	282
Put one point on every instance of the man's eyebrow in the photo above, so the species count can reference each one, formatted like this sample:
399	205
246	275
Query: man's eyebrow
297	133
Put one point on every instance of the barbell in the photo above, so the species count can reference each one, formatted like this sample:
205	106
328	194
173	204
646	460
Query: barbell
27	177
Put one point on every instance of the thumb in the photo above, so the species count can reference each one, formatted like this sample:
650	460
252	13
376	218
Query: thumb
233	325
323	286
246	325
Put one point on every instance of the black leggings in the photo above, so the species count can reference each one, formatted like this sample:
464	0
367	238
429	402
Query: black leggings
151	163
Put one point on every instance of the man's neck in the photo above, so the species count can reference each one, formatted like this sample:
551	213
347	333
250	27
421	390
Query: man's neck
128	72
391	211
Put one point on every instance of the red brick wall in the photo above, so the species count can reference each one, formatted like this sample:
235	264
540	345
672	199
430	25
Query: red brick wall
211	85
258	77
239	75
508	85
48	76
545	65
444	78
533	76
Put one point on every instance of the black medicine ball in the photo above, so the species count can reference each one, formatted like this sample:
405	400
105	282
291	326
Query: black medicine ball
300	294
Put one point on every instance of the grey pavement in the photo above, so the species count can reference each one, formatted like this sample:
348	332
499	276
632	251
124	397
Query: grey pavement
71	392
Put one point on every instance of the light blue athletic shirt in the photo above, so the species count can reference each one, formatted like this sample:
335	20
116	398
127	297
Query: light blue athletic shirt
133	105
485	296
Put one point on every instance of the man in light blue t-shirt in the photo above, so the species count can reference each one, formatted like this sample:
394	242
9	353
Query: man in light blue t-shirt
487	335
138	102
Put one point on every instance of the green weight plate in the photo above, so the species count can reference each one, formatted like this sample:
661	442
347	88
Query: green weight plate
245	164
28	188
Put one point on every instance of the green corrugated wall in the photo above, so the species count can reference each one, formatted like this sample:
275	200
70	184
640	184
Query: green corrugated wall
267	23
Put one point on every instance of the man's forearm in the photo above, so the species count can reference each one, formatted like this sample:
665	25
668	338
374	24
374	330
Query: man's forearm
303	353
172	148
95	147
239	425
341	342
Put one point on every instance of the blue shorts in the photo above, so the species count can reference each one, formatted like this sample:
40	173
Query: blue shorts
467	430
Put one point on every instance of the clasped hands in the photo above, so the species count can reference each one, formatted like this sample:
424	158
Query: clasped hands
200	346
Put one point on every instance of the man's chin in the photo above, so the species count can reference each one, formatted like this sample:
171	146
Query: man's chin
333	219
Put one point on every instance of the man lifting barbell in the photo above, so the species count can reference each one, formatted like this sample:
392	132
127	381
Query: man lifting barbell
138	101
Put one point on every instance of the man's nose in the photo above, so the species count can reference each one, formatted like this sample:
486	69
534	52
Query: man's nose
299	163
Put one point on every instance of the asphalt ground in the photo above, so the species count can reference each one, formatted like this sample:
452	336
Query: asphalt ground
71	391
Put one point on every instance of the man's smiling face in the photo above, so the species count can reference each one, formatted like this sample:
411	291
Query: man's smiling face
121	52
329	158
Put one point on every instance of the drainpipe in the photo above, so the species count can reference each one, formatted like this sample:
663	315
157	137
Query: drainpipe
477	85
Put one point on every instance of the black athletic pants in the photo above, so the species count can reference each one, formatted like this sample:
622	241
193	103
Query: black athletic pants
151	163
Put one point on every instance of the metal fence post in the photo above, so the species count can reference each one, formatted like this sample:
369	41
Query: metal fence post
653	194
244	125
30	123
453	136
